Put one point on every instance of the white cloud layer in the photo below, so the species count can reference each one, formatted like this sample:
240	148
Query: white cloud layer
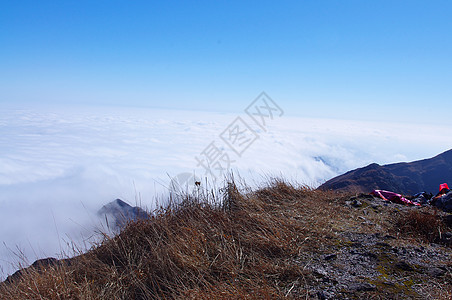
58	167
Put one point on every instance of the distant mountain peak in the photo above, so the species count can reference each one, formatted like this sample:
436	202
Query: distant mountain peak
119	213
120	203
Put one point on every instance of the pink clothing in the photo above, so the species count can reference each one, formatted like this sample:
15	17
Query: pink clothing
393	197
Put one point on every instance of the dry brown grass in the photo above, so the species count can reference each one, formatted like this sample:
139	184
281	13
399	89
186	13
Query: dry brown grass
249	245
425	224
240	248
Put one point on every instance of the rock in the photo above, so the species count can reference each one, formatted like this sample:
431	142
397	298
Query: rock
404	266
447	235
321	295
330	256
320	272
361	286
357	203
423	199
436	272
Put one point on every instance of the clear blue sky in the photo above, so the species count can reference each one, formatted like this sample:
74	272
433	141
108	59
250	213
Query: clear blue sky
313	57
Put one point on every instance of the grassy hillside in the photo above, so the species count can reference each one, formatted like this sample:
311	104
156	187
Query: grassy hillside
279	241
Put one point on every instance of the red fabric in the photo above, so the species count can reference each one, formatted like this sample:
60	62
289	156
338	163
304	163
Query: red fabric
443	186
393	197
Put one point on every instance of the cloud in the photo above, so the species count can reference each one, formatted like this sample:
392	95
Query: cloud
58	167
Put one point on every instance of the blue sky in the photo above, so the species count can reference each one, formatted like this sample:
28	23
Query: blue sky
315	58
378	60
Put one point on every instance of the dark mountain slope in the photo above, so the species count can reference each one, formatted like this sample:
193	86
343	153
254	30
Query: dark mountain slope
405	178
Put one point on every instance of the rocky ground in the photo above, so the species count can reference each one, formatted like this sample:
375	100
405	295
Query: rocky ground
365	265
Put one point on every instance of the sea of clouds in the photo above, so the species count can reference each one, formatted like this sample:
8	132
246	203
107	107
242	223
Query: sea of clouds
59	166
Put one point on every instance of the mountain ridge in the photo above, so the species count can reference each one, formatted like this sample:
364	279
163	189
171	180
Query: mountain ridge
403	177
